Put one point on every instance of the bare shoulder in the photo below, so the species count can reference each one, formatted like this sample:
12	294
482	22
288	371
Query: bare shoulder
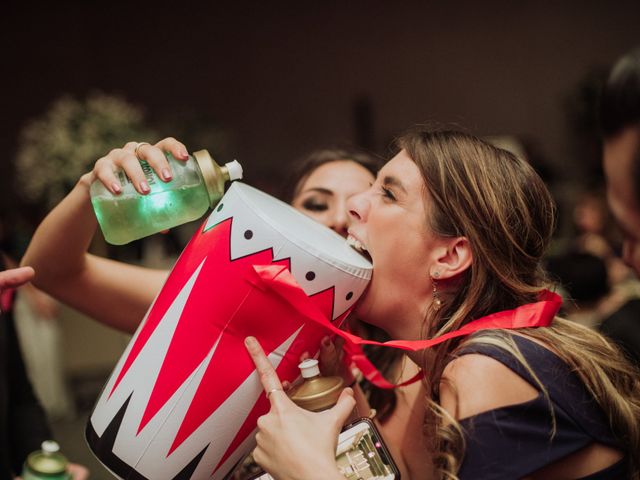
474	383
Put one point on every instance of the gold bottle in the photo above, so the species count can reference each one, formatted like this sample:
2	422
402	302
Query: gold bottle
316	393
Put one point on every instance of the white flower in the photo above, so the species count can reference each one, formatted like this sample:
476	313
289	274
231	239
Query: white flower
64	143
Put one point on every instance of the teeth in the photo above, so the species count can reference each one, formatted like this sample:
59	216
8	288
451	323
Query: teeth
355	243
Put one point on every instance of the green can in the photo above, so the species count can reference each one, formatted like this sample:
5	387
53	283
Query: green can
46	464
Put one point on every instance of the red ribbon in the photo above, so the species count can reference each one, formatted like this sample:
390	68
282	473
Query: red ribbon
279	280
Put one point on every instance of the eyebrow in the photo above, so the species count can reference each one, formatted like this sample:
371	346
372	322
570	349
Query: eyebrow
393	182
325	191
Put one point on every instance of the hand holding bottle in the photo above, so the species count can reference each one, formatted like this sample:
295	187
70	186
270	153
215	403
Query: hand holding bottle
143	189
293	442
127	159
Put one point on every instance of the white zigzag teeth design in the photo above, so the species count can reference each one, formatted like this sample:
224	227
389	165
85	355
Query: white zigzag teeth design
139	382
347	279
226	422
147	451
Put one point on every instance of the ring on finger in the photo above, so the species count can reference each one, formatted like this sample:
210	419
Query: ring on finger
136	152
274	390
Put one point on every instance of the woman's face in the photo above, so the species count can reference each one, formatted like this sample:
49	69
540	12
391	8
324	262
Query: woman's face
390	222
323	195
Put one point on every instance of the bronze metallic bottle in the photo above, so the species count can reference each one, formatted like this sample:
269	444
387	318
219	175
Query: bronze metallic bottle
315	393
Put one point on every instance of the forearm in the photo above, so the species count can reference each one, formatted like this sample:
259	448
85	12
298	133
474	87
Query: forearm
114	293
58	249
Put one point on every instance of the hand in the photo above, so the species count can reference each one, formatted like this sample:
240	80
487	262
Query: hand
78	472
15	277
293	443
332	360
125	158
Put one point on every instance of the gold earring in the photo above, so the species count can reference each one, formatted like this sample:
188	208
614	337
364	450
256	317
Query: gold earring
437	301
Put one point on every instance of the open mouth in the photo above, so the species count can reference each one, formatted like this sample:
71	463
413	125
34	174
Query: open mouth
359	247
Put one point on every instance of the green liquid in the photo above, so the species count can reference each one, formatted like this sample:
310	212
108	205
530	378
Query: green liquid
125	217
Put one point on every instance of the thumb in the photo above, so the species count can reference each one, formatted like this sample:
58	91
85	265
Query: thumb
345	405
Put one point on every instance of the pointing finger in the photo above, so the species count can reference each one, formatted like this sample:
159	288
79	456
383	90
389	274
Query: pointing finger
268	376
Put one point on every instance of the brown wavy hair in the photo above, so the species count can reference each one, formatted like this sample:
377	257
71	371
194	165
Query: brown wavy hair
499	203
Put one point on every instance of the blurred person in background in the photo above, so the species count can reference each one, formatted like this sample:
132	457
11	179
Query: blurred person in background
585	286
23	423
596	233
620	124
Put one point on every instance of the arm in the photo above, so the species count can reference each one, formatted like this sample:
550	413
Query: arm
114	293
294	443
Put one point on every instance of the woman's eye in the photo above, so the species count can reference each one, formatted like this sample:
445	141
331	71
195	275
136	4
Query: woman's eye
386	193
314	206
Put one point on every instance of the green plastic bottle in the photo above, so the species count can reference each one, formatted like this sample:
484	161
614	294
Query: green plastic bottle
197	185
46	464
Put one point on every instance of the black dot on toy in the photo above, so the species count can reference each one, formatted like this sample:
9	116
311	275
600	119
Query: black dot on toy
310	276
248	234
349	295
219	207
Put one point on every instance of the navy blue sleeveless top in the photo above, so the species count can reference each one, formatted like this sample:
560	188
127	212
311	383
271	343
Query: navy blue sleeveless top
515	441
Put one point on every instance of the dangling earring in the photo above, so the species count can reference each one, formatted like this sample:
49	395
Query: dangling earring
437	301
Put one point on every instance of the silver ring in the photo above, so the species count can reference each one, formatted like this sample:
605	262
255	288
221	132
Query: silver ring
137	150
274	390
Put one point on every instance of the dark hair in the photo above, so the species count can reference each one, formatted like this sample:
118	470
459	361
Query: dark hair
305	166
620	101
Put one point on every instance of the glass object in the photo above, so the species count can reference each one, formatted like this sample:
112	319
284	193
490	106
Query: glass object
197	185
46	464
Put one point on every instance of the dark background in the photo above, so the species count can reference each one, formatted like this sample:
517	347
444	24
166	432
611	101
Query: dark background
281	78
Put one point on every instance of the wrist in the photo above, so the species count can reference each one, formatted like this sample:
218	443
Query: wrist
85	181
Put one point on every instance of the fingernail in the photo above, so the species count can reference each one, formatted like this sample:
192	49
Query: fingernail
115	186
144	186
183	154
250	341
326	342
166	174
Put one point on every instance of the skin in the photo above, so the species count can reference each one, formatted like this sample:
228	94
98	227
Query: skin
324	194
618	156
389	219
15	277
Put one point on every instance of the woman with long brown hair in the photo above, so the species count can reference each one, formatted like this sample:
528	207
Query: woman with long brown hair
456	230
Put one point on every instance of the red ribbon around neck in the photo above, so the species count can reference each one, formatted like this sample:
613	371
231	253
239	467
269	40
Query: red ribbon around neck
278	279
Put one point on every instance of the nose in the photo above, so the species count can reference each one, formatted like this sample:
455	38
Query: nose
358	207
340	221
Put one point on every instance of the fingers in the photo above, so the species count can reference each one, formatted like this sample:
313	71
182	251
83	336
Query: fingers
15	277
345	405
156	159
78	472
104	171
330	358
128	159
174	147
132	167
268	376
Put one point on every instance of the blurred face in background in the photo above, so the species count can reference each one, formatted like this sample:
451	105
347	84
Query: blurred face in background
621	166
324	193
